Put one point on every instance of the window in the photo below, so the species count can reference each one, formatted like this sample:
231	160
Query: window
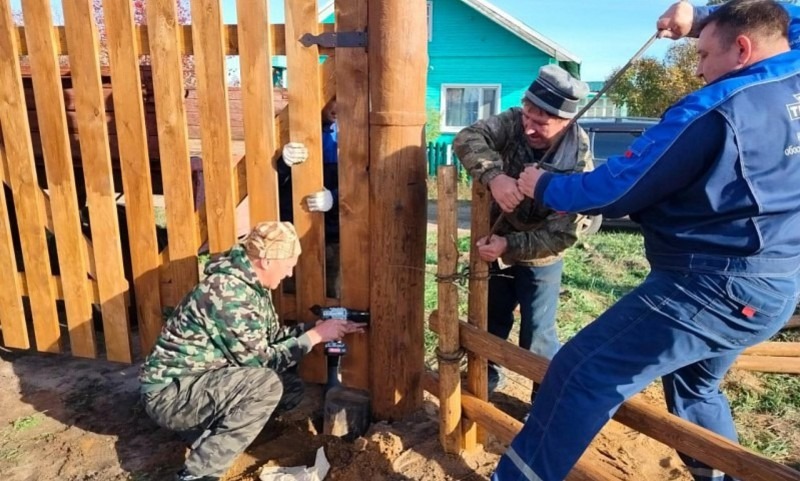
430	20
463	105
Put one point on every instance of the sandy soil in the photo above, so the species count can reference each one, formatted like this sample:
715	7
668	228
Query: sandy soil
70	419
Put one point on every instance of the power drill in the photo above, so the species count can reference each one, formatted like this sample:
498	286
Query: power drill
337	348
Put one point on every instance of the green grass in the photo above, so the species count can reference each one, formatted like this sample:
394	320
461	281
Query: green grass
26	422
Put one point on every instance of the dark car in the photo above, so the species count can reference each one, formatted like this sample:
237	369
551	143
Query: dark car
612	136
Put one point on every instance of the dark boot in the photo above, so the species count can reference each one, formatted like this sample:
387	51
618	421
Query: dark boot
184	476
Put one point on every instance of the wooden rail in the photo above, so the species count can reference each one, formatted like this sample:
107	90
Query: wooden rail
682	435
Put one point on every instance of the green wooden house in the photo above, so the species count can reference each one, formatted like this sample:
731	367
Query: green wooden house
481	60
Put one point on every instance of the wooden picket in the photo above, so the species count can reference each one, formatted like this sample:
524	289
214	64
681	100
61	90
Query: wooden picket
135	162
304	126
98	176
60	175
180	273
352	94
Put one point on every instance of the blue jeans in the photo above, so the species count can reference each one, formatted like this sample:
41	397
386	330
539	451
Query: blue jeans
535	290
687	328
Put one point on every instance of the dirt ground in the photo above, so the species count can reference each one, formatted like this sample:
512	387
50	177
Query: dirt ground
70	419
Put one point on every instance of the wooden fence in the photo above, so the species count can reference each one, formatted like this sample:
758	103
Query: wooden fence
66	288
456	335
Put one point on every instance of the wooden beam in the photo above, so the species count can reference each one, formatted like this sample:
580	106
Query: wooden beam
684	436
773	364
47	89
143	39
478	304
305	126
352	93
505	428
398	195
780	349
98	177
449	346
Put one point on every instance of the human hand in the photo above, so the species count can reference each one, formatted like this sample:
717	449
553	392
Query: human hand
294	153
321	201
505	192
492	247
677	21
528	180
332	329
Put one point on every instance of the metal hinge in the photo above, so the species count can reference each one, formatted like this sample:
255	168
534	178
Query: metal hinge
335	39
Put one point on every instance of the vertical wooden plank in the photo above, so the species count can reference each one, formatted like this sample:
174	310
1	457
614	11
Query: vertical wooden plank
257	99
180	275
478	306
82	36
352	93
21	174
254	34
135	163
305	126
49	97
449	346
214	123
398	175
12	315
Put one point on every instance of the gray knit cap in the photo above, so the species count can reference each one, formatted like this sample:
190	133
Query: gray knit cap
557	92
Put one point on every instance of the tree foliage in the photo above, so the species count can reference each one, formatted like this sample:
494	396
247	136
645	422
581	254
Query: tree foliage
651	85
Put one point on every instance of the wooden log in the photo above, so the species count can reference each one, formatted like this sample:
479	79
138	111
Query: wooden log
449	361
779	349
216	132
682	435
305	122
478	304
398	176
352	91
766	363
180	275
504	427
12	315
60	176
346	413
99	180
794	322
185	40
135	163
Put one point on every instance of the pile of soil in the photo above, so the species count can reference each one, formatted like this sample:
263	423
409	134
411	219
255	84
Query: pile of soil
69	419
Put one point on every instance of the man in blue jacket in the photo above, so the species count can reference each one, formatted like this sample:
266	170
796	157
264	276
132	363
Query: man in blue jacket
714	187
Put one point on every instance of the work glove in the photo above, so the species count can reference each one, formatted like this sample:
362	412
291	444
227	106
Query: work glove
321	201
294	153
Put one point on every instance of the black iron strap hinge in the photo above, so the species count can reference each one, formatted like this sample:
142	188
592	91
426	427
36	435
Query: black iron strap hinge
336	39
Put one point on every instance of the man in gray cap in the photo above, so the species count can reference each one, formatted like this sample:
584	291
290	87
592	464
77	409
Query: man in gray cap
529	241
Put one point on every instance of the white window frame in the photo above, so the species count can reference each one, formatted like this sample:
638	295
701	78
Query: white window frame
430	20
449	129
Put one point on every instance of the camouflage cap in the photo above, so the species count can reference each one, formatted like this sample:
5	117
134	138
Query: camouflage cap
272	240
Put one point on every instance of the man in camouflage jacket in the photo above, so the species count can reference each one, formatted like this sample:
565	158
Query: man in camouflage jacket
222	363
530	239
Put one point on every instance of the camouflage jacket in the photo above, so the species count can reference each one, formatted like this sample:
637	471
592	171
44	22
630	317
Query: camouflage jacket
536	235
227	320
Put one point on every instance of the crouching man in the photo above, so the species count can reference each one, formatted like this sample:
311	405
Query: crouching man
223	365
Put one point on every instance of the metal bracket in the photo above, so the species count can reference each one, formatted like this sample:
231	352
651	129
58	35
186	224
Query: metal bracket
335	39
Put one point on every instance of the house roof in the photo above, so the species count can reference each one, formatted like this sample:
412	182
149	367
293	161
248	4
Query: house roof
522	31
506	21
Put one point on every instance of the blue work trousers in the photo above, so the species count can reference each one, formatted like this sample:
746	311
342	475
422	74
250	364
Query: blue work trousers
687	328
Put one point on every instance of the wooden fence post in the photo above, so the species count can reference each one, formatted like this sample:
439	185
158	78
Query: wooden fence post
449	346
398	65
